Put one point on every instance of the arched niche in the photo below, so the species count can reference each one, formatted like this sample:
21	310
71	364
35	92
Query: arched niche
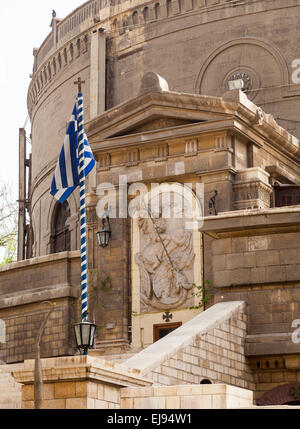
60	240
261	62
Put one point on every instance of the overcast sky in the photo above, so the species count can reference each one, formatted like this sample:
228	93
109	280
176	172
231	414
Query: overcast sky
24	25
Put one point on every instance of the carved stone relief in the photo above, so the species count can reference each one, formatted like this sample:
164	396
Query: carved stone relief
165	261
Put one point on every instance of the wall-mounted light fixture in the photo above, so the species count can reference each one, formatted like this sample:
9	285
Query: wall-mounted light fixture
105	233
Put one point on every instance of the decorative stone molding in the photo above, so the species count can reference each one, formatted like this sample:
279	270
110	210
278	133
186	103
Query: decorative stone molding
271	49
191	147
133	157
55	64
162	152
104	162
252	189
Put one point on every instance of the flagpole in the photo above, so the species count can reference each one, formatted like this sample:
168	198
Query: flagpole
75	162
83	239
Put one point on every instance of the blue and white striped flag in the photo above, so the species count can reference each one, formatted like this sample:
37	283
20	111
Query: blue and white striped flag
75	162
66	176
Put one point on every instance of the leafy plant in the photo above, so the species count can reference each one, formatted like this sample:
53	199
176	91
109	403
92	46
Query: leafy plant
203	292
106	283
8	226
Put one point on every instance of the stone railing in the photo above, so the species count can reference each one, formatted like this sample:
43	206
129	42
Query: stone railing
68	35
123	16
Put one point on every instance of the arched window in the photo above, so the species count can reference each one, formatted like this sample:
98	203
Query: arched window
146	14
169	7
135	18
60	237
156	8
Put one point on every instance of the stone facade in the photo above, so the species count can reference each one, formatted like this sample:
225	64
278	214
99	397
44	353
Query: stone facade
113	44
251	261
158	109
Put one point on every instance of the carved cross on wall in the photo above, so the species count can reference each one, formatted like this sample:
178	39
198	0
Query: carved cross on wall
79	82
167	316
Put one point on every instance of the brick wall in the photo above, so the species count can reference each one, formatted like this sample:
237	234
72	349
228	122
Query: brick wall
217	355
206	396
74	395
256	260
22	327
262	271
25	286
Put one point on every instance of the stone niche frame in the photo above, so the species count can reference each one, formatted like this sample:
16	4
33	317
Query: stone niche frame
72	222
143	321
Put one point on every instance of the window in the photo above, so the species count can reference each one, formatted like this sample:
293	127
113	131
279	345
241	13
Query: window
60	238
160	331
146	14
287	195
135	18
156	8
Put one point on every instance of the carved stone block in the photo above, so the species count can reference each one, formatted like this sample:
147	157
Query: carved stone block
251	189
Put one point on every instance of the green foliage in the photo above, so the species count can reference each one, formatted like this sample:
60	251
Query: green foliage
204	293
8	226
10	248
106	283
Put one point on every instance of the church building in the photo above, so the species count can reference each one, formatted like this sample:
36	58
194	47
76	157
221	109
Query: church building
193	96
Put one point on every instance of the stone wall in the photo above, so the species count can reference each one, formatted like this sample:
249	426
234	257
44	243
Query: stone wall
54	279
187	397
80	382
254	257
256	260
251	261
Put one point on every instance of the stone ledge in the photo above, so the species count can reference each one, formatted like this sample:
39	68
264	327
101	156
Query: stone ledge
270	344
253	222
81	368
28	263
38	295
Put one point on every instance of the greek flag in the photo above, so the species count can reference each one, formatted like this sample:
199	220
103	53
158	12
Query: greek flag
66	177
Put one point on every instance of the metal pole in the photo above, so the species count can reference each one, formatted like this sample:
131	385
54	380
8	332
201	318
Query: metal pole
22	194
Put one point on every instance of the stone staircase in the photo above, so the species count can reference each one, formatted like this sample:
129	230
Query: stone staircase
10	391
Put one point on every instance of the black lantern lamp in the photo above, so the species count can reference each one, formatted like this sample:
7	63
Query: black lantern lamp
105	233
85	336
